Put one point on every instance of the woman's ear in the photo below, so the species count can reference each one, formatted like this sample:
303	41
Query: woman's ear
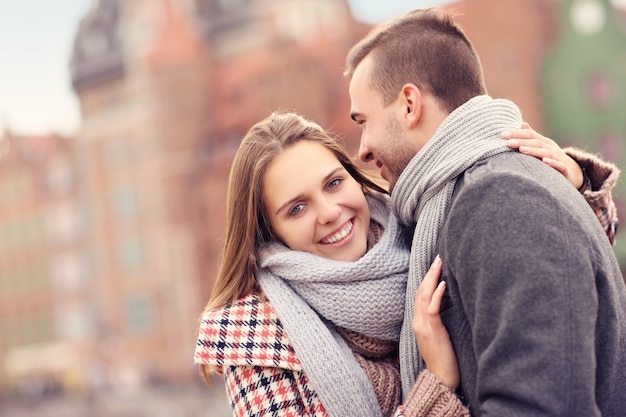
411	99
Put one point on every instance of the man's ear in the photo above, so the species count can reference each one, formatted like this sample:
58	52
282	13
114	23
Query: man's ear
411	99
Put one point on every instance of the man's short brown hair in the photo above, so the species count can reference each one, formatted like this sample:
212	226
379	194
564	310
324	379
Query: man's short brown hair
424	47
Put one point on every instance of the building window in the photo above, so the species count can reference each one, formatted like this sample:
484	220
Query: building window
20	280
73	321
610	144
5	239
6	284
14	190
38	275
60	176
33	230
63	222
130	254
117	153
231	5
67	271
45	327
139	315
124	203
588	17
10	333
600	90
15	235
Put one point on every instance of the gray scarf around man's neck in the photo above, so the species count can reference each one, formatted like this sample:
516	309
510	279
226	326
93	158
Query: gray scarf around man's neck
311	295
422	195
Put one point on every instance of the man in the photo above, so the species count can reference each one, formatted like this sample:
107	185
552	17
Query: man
536	304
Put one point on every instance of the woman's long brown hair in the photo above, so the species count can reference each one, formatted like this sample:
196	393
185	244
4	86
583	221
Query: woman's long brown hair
247	225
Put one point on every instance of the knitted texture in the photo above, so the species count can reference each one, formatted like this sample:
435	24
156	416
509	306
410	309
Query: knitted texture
312	295
424	190
362	296
429	397
379	360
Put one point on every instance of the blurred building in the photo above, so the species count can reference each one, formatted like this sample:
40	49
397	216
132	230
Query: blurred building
167	90
111	239
44	287
583	87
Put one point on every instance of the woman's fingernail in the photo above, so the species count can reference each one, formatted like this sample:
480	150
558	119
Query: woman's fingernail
513	143
506	134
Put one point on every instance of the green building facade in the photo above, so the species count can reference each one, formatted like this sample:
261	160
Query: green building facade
583	88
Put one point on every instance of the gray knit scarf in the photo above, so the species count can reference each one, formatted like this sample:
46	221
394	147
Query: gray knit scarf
422	195
312	295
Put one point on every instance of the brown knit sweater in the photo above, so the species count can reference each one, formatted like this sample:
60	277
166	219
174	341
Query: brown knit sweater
431	398
379	359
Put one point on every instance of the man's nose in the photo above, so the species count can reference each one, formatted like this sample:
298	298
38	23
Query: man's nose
365	153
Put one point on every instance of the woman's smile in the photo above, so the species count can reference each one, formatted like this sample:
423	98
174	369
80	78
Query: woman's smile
319	209
340	235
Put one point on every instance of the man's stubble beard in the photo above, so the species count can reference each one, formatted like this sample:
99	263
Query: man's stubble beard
397	151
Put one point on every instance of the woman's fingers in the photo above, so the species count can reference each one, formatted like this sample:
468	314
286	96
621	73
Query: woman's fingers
435	304
559	166
429	283
424	297
529	142
432	337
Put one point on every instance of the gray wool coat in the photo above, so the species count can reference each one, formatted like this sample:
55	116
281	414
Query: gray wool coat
536	303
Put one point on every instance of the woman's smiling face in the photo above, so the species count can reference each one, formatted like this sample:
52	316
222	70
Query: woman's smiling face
314	205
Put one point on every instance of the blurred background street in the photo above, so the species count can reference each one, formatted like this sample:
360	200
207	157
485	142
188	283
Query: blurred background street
118	123
190	401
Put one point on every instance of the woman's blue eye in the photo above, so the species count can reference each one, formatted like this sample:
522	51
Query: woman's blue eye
295	210
335	182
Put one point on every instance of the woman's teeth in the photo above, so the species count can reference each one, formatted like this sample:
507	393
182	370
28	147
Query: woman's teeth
339	235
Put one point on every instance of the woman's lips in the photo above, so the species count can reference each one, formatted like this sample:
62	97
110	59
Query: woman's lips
339	235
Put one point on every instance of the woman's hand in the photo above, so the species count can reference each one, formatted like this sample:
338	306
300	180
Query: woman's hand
529	142
432	337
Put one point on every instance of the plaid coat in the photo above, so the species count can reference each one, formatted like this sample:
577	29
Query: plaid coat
264	377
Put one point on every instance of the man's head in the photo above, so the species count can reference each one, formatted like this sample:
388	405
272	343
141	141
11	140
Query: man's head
406	76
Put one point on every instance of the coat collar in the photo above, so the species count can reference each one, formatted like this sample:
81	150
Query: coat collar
245	333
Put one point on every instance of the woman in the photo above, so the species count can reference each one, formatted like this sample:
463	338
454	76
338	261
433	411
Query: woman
305	315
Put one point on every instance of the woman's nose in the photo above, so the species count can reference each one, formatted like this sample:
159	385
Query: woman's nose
328	212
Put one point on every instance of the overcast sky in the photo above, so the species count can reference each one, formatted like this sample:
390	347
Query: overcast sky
35	47
35	43
36	39
374	11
